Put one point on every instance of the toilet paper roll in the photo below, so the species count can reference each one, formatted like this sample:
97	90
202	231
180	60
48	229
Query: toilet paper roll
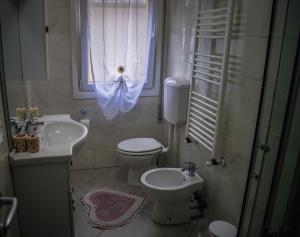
85	122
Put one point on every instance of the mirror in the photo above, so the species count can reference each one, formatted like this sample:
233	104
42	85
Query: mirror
23	40
23	32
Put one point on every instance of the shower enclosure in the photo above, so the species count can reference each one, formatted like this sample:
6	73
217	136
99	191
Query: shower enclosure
270	204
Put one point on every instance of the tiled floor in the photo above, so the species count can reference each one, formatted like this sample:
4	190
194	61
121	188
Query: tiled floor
141	226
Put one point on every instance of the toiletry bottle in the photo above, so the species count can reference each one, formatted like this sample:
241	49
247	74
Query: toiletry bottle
84	118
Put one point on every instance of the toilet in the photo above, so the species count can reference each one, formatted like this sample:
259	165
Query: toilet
139	154
222	229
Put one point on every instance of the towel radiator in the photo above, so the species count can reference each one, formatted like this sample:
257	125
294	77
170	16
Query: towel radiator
210	65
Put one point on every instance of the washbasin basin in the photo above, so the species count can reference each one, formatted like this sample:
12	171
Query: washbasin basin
62	133
60	139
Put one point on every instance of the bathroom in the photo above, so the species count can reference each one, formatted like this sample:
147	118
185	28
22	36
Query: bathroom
249	184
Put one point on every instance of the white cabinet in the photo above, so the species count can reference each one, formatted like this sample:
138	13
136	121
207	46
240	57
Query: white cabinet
44	193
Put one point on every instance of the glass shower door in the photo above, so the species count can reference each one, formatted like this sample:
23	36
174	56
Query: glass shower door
272	167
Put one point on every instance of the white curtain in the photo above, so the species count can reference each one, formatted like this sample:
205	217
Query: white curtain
119	36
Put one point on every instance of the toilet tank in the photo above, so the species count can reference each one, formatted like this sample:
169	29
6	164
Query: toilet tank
176	97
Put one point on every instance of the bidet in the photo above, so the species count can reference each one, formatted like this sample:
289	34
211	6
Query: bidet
171	190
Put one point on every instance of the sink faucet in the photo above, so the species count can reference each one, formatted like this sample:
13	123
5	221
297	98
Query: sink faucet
190	167
29	123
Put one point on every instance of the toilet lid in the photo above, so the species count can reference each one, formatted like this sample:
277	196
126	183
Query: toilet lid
138	145
222	229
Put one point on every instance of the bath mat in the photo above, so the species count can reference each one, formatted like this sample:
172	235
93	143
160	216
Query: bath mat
110	208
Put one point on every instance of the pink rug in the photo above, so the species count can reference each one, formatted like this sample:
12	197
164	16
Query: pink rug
110	208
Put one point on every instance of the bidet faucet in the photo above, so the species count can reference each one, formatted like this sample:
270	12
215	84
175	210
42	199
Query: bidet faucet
190	167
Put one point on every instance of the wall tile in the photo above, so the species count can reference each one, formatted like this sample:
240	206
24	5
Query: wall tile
83	160
16	95
58	20
140	114
52	95
103	136
251	54
257	15
57	3
59	57
243	98
59	47
240	131
51	110
175	63
105	157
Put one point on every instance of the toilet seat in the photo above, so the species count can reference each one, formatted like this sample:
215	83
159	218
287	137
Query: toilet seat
140	146
222	229
139	154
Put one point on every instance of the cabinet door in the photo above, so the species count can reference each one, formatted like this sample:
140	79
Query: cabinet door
43	194
32	39
10	35
24	39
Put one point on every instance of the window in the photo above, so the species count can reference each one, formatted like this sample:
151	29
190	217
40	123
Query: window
83	86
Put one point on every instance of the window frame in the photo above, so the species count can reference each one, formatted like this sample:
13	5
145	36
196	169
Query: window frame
84	90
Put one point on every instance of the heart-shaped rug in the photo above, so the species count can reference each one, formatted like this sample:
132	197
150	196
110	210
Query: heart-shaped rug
110	208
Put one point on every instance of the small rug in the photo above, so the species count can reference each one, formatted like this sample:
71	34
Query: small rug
110	208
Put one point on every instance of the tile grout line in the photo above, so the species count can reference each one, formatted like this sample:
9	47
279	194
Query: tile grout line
86	182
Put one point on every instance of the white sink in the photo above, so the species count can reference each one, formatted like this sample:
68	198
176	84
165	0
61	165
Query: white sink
61	138
64	133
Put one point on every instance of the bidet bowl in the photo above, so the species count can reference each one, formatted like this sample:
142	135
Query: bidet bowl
170	184
171	190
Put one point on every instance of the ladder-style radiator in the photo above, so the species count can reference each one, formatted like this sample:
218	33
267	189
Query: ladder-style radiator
210	66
